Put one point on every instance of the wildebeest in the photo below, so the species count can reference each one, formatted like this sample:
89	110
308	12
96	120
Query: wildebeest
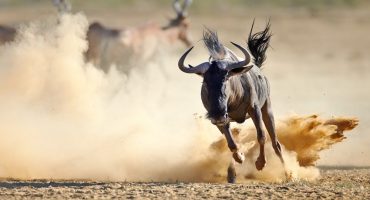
139	42
235	89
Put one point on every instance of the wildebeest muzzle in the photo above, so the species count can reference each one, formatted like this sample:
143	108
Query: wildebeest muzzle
219	121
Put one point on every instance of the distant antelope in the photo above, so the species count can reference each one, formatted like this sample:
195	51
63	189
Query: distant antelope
7	34
178	27
108	46
63	6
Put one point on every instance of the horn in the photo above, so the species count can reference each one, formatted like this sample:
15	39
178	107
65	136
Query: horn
186	5
63	6
200	69
176	6
240	63
181	10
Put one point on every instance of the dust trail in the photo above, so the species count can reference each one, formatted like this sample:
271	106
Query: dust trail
303	137
62	118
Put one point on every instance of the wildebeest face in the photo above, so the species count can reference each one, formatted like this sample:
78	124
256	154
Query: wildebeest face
215	81
216	89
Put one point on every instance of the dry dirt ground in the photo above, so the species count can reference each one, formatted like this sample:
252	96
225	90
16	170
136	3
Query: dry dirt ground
333	184
318	63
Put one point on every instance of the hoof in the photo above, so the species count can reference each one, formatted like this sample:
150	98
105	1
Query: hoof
231	174
289	176
238	157
260	163
231	177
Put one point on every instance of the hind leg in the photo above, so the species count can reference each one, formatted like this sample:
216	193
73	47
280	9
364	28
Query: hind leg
268	119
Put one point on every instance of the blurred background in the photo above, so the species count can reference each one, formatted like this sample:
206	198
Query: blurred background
318	62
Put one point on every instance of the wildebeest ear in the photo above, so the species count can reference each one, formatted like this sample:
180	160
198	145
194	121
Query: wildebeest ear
239	70
200	74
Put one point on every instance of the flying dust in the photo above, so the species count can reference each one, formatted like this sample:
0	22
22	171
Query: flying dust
62	118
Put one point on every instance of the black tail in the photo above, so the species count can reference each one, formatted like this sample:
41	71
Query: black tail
258	44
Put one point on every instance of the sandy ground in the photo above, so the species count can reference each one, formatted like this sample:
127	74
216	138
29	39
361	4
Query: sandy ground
334	184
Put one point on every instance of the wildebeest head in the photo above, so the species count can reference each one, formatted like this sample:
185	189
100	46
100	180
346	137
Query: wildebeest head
216	82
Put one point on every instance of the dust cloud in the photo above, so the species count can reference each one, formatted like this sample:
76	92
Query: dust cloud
302	137
62	118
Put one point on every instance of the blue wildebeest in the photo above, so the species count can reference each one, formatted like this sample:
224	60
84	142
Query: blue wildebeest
235	89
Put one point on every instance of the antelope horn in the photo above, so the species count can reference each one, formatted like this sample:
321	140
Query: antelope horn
177	7
186	5
240	63
63	6
200	69
181	10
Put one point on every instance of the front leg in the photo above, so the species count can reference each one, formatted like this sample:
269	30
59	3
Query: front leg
238	156
256	116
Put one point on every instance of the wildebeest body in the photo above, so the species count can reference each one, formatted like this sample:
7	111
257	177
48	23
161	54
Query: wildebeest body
250	88
233	91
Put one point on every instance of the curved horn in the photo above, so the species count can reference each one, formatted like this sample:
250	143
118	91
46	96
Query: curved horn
200	69
240	63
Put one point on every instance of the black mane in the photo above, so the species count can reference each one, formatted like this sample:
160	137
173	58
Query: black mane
215	48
